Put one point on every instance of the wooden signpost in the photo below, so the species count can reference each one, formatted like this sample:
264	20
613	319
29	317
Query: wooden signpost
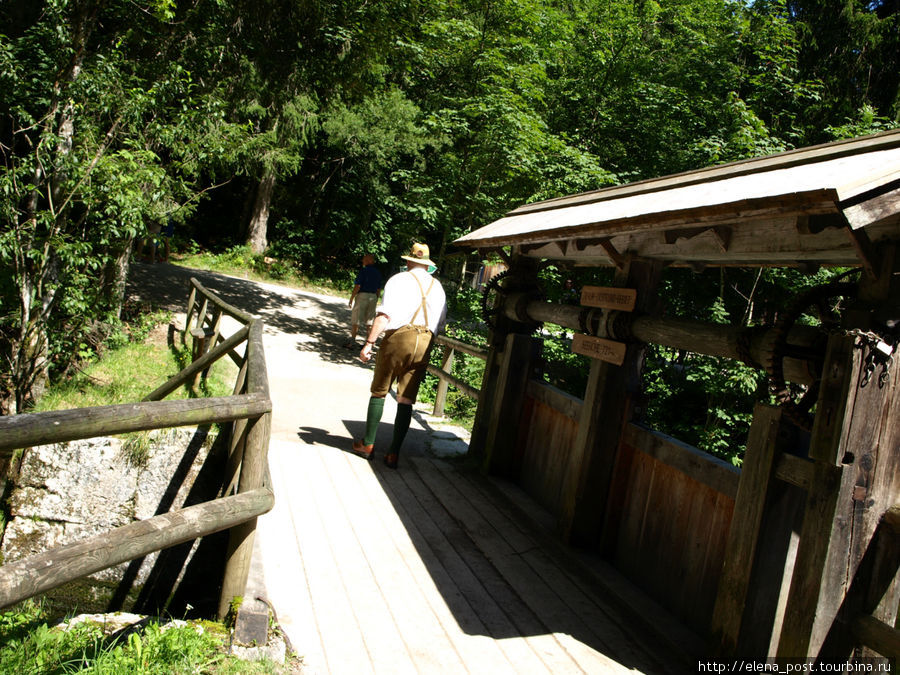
622	299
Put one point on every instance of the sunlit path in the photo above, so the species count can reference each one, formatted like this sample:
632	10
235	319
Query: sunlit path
427	569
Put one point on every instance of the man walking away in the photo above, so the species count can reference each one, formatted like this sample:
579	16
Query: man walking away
413	311
364	298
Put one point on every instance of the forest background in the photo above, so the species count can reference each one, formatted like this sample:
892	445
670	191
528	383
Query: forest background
310	131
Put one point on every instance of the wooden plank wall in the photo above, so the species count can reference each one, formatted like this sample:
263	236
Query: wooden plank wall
547	433
670	507
667	531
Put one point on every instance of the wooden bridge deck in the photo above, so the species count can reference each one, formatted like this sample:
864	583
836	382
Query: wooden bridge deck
426	569
429	569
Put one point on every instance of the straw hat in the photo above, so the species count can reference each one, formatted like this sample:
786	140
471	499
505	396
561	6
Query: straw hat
418	254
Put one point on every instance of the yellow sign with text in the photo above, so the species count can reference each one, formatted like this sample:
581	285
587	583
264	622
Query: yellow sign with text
622	299
599	348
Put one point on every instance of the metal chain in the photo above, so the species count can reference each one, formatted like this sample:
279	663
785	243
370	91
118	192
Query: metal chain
880	353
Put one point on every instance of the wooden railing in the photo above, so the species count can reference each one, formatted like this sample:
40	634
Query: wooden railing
445	378
246	494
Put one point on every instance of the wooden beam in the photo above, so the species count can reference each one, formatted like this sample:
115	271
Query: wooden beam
617	258
810	564
721	233
197	366
22	579
446	377
874	576
516	368
609	403
752	495
794	470
693	336
874	209
864	249
230	310
57	426
463	347
878	635
832	410
488	393
443	374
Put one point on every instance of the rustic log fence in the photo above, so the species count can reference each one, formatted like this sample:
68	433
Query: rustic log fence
246	493
444	373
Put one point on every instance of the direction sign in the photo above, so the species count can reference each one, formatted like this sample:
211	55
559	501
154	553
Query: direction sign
599	348
609	298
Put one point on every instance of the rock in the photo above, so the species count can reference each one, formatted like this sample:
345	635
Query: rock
453	447
68	492
109	623
275	650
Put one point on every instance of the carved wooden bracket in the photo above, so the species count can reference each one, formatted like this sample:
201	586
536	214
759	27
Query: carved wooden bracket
721	233
617	258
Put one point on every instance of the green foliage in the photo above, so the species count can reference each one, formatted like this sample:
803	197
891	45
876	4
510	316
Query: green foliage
470	369
32	647
387	122
104	131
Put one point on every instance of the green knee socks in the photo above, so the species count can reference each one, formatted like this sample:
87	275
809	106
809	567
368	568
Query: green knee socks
373	417
401	426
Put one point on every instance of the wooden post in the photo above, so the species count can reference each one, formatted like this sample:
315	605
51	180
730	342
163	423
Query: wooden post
730	623
440	397
856	447
478	438
190	310
254	467
213	339
240	540
609	402
874	585
494	385
516	367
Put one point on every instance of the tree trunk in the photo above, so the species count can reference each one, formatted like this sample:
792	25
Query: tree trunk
114	275
259	219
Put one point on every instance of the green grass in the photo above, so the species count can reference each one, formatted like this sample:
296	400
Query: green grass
238	261
29	646
131	372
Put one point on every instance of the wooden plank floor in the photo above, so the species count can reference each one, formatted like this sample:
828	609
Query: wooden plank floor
428	569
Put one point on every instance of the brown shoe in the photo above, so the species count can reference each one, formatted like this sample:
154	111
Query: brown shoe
363	450
390	460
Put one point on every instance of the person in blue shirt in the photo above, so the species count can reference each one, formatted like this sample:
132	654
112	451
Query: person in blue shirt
364	299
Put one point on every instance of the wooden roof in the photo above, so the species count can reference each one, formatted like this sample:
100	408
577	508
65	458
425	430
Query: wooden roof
821	205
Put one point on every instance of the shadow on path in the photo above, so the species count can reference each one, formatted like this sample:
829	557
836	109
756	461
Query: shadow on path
282	310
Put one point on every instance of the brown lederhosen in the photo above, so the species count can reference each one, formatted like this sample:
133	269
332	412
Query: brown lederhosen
403	355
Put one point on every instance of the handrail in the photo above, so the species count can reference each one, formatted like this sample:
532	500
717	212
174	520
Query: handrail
43	572
60	426
444	376
249	408
198	365
230	310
